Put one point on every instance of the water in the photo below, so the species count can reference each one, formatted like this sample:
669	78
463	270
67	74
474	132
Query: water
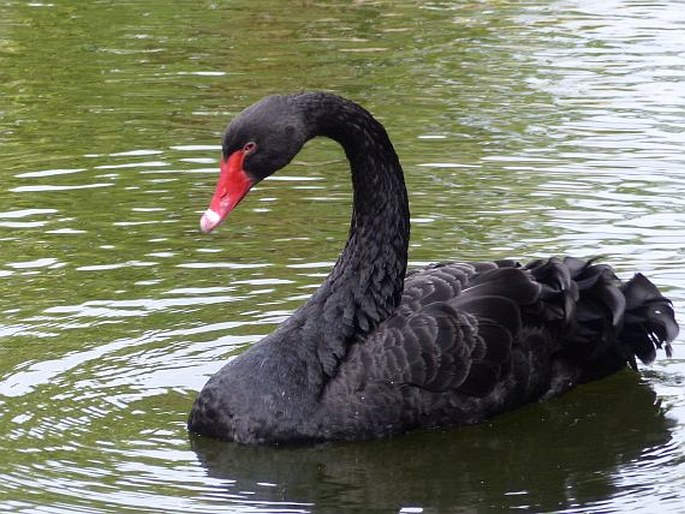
525	128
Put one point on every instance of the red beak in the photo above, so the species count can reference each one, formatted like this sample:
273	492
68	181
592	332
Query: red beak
232	187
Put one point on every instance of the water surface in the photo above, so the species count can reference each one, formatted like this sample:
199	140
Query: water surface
526	129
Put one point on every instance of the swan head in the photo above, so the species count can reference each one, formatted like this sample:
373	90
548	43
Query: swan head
258	142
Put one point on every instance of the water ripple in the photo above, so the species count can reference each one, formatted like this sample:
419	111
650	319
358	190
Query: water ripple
525	129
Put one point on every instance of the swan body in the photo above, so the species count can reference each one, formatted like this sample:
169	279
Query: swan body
378	351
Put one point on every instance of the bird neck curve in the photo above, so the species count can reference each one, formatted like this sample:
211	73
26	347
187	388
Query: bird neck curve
366	283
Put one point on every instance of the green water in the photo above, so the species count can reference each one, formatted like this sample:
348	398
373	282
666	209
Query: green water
525	129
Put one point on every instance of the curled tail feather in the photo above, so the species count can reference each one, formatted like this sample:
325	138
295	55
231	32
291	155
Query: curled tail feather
606	323
649	321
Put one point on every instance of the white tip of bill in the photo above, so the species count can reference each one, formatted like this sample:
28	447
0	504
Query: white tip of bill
210	219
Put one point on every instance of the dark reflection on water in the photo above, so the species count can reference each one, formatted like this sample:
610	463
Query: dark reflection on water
526	460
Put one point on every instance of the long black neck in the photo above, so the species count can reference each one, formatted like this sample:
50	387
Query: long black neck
366	283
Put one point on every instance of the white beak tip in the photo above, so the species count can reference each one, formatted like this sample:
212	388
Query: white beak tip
210	219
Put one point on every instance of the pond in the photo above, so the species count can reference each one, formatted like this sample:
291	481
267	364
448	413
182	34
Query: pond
526	129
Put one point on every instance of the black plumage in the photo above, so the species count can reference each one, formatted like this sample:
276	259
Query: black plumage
378	351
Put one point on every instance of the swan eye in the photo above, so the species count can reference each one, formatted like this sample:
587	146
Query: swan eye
250	148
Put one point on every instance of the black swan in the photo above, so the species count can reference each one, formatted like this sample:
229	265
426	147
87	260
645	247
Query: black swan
378	351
